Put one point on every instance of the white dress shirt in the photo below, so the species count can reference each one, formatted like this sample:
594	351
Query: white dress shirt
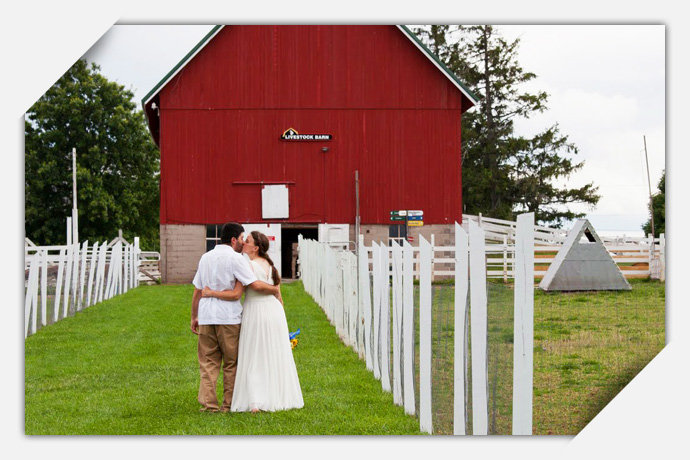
219	269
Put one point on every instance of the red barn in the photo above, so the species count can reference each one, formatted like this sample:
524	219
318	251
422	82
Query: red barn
296	129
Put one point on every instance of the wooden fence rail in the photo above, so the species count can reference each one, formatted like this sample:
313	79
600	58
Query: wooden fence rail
369	298
637	257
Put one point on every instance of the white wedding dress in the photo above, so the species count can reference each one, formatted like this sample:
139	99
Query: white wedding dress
266	376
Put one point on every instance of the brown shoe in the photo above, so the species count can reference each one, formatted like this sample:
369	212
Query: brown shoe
210	410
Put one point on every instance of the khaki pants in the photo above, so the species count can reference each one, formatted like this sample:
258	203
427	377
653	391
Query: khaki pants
217	343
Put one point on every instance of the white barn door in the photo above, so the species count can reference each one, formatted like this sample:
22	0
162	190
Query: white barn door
272	231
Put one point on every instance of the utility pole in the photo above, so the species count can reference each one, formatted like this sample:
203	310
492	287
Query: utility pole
649	185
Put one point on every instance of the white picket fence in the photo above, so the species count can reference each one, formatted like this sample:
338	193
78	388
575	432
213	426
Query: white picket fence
367	295
637	257
83	276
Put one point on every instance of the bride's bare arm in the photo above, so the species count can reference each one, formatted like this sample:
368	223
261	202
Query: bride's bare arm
266	288
228	294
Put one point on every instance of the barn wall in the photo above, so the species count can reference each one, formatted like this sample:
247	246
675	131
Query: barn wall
401	163
394	116
286	67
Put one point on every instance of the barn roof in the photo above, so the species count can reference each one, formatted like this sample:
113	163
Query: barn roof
406	31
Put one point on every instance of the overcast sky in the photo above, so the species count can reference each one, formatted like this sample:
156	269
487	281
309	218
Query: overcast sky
606	86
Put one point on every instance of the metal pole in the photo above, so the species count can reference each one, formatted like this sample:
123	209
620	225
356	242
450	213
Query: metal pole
649	185
75	221
357	218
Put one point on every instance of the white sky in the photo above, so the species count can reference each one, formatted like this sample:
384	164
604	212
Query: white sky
606	86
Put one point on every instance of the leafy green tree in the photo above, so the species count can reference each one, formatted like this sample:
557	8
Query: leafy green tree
658	210
117	162
504	173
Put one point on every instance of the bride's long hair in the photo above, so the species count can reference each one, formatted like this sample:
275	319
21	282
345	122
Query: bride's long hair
261	242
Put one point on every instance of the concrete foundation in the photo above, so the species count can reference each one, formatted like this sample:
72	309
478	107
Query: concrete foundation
444	235
181	248
183	245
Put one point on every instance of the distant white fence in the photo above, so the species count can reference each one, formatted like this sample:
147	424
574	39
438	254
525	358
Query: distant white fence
75	276
369	295
637	257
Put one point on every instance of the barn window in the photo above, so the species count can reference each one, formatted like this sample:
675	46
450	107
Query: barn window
212	236
397	233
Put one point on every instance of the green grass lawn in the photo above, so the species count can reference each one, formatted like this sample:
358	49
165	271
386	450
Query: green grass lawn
129	366
587	347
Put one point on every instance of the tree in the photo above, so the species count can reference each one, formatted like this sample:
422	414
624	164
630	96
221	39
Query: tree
658	210
117	162
503	173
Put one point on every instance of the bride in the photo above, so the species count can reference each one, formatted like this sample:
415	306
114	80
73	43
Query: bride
266	374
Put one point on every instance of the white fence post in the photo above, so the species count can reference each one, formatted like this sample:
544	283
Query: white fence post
68	280
408	329
125	268
650	253
27	300
130	267
339	297
505	259
397	321
353	298
31	299
44	288
58	285
116	266
82	277
100	278
523	335
461	287
92	273
480	414
376	259
351	289
385	335
75	276
433	254
365	301
111	273
425	255
662	257
137	254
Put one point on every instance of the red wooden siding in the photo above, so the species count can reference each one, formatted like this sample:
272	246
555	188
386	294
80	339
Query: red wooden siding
394	116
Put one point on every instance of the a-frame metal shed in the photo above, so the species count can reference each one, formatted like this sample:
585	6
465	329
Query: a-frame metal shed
583	264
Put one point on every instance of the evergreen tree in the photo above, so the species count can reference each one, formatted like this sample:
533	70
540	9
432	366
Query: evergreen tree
117	162
503	173
658	210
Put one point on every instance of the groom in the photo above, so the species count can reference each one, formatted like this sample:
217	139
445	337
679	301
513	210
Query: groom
216	321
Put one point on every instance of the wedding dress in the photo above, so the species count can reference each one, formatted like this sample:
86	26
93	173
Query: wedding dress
266	376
